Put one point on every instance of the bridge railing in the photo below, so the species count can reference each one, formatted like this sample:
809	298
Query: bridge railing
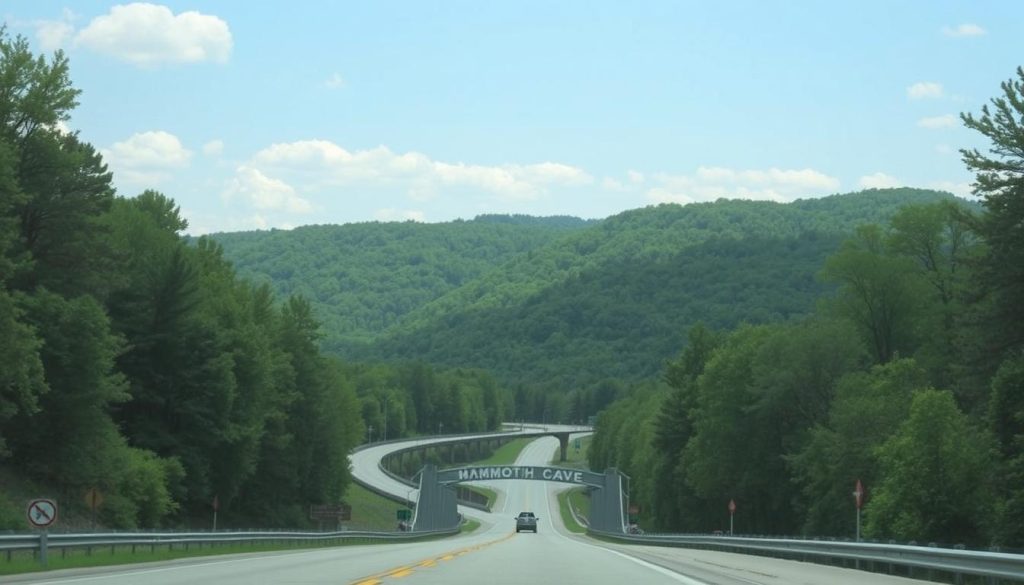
922	561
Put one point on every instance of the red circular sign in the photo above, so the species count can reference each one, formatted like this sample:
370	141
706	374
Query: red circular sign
732	506
42	513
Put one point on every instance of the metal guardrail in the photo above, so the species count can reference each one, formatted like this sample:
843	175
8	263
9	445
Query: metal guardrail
42	543
958	562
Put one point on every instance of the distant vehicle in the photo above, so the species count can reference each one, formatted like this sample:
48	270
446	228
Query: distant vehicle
526	521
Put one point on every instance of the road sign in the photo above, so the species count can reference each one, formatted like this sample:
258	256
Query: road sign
403	514
42	513
330	512
858	494
732	507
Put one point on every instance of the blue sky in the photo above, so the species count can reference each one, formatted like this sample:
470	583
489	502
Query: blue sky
254	115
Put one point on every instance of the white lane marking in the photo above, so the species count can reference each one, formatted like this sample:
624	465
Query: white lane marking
678	577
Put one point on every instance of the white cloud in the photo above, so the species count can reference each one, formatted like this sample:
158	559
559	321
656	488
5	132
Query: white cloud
213	148
150	34
711	183
944	149
53	34
264	193
335	81
635	176
879	181
938	122
924	90
964	30
323	163
146	157
392	214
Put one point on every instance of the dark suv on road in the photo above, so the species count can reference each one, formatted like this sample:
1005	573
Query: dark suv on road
526	521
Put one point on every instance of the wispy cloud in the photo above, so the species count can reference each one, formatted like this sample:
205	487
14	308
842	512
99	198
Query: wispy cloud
335	81
964	30
711	183
938	122
321	162
924	90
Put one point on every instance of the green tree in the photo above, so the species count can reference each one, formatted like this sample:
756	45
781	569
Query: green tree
879	293
22	381
1006	416
940	241
999	180
63	185
938	480
867	409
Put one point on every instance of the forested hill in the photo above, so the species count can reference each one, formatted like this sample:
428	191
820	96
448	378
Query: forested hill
560	300
362	278
615	300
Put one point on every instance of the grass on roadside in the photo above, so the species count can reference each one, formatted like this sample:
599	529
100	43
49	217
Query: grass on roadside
577	499
574	458
506	454
488	493
370	511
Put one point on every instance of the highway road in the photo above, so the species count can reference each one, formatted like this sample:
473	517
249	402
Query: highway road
494	555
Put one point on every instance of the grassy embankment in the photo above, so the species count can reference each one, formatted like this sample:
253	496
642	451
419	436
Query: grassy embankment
575	458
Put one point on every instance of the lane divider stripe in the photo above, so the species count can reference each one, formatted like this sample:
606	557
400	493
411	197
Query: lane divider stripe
405	571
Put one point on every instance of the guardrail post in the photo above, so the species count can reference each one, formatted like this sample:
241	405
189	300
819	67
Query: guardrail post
42	548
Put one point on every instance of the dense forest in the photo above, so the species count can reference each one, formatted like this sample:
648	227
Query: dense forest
909	376
138	363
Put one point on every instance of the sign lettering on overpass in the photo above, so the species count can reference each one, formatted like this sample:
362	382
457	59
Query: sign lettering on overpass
488	472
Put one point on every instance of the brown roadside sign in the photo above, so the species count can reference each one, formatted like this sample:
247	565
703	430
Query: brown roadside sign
330	512
93	499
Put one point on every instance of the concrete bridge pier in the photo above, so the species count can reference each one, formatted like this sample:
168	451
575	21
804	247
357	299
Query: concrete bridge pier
563	443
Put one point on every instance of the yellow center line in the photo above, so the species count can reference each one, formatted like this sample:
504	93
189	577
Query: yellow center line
406	570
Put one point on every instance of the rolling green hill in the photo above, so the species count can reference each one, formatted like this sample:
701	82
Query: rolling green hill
362	278
615	300
559	301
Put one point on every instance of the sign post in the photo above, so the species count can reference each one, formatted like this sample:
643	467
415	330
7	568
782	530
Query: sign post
93	499
858	498
216	506
42	513
732	512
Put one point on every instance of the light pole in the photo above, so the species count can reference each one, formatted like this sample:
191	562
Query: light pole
440	427
369	434
385	418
